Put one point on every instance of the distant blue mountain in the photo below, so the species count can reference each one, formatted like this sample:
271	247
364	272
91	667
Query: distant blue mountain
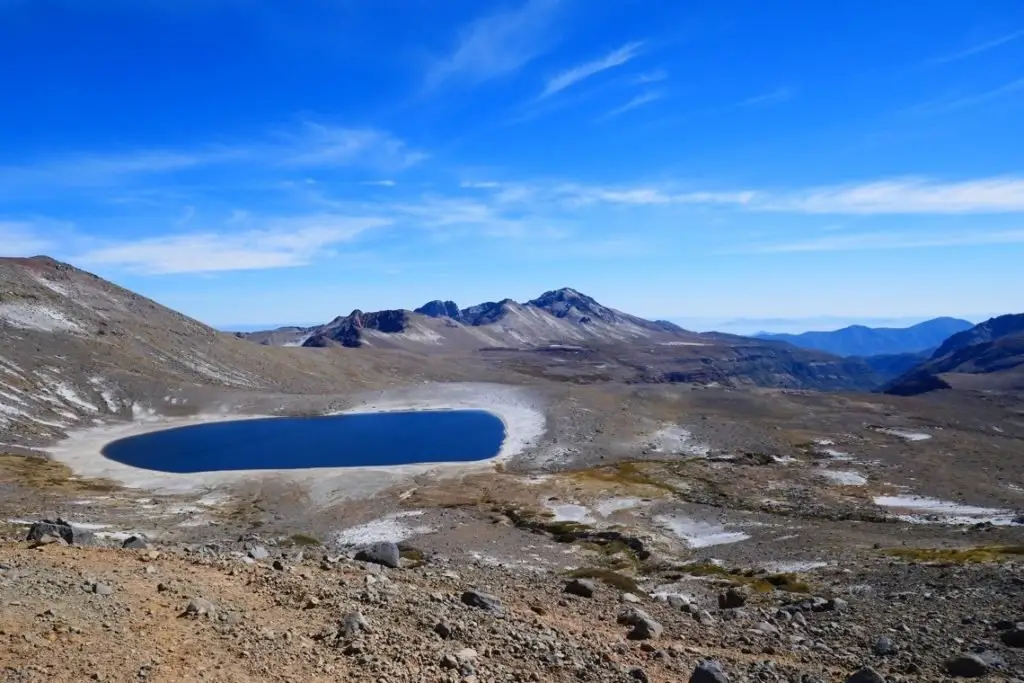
858	340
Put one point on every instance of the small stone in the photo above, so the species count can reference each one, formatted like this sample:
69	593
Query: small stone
258	553
278	565
584	588
709	671
448	661
734	597
198	607
482	601
838	605
884	647
352	624
630	598
638	674
103	589
644	626
443	630
765	627
865	675
384	553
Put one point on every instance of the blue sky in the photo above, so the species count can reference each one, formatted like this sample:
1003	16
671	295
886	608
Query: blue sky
251	161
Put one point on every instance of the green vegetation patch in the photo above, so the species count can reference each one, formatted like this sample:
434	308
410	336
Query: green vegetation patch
975	555
304	540
759	582
609	577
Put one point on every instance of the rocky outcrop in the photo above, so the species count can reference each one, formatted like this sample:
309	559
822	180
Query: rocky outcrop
440	309
349	330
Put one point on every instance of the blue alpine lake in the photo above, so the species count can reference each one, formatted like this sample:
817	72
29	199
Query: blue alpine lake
354	440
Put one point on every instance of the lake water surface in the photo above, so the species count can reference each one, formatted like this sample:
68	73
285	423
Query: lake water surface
354	440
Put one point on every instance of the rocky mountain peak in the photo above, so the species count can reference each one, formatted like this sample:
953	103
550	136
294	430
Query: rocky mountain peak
440	309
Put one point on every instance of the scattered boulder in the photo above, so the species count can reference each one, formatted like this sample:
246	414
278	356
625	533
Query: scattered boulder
584	588
483	601
1013	637
103	589
884	647
732	598
865	675
258	553
709	671
135	543
443	630
969	665
384	553
644	625
200	607
352	624
62	529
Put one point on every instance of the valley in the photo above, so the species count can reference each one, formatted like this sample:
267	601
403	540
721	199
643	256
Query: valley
758	502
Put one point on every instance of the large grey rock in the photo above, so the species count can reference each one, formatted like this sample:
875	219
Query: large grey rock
582	587
483	601
644	625
865	675
884	647
258	553
709	672
384	553
200	607
60	528
352	624
1013	637
732	598
970	665
135	543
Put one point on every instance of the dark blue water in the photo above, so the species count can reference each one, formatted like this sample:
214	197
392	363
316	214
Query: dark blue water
398	438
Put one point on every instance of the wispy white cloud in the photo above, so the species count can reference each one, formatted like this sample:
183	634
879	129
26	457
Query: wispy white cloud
976	49
497	45
638	101
952	104
776	96
581	72
309	145
904	196
879	241
280	243
892	196
656	76
316	145
379	183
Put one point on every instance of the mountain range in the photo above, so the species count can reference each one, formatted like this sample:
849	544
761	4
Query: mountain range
858	340
74	347
989	356
557	316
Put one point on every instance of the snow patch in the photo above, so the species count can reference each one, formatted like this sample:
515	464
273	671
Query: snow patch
72	397
391	528
682	343
613	505
37	317
792	566
904	434
569	512
699	534
845	477
922	510
675	439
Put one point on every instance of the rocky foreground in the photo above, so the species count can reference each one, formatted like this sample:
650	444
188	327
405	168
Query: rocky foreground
277	610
